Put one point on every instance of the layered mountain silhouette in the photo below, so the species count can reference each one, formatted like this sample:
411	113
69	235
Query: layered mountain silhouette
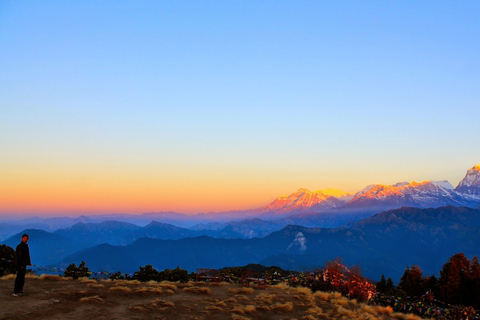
383	244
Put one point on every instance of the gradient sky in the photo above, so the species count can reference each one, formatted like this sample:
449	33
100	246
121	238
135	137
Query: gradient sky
195	106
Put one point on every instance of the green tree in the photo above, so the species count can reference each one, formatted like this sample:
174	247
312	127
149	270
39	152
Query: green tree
411	281
389	287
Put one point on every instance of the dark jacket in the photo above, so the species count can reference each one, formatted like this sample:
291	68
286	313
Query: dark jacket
22	255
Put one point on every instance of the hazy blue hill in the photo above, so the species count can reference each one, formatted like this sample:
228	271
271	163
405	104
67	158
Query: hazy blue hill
188	253
248	228
425	236
112	232
164	231
8	229
385	243
46	248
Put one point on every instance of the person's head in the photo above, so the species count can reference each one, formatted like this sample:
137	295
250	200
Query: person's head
25	238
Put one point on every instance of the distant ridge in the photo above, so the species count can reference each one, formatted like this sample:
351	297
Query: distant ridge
384	243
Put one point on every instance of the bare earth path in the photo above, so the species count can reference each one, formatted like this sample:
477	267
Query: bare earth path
52	297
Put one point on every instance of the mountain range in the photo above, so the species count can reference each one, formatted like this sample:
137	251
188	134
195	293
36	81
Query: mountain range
327	208
378	197
382	244
382	227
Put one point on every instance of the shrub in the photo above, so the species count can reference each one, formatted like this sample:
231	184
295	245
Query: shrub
7	257
77	272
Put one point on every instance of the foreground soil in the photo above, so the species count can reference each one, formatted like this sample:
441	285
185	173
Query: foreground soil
52	297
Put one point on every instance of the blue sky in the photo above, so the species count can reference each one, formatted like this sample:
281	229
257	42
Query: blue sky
228	104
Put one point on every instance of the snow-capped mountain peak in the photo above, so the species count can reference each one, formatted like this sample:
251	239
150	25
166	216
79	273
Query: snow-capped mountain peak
443	184
376	197
470	185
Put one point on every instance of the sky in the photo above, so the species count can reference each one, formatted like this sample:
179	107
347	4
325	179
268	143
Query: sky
201	106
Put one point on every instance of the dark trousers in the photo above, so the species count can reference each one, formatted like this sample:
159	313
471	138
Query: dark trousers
20	279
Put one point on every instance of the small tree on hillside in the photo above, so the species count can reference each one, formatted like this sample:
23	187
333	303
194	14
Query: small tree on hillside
412	281
147	273
174	275
77	272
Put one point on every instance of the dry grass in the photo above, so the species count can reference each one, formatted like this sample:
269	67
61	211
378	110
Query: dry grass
199	290
53	277
265	298
220	304
92	299
148	290
168	286
304	291
282	286
121	289
323	296
244	309
285	307
242	297
53	300
213	308
403	316
314	311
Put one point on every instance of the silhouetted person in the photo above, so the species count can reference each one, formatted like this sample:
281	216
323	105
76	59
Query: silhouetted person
22	260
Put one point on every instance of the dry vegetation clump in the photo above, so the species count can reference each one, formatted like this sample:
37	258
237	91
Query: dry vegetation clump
316	310
86	280
199	290
95	285
169	292
242	297
91	299
168	286
323	296
265	298
285	307
52	277
213	308
148	291
155	303
384	311
304	291
244	309
239	317
121	289
241	290
403	316
220	304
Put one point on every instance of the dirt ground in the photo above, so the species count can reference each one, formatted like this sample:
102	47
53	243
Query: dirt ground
53	297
